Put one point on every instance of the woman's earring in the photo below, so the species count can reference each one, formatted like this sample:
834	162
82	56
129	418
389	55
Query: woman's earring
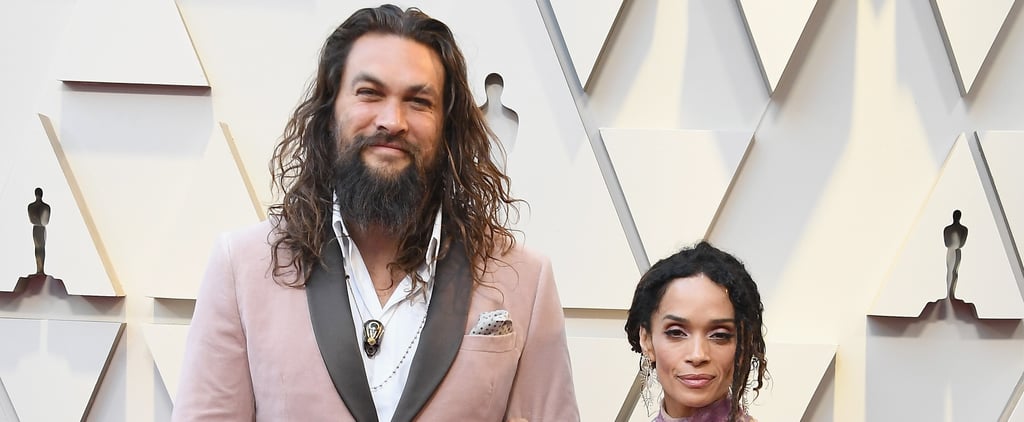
647	377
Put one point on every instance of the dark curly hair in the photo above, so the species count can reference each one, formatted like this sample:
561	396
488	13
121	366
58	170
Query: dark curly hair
726	271
474	194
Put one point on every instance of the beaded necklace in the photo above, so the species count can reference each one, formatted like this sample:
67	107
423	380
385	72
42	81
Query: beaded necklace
373	332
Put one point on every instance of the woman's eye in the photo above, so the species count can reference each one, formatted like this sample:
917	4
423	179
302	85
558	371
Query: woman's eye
675	333
723	337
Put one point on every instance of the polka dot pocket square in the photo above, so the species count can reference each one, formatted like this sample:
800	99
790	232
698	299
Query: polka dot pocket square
493	323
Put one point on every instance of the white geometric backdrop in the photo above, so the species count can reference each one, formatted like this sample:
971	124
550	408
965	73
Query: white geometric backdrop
825	143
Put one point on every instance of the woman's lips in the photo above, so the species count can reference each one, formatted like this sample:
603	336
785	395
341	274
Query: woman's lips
696	380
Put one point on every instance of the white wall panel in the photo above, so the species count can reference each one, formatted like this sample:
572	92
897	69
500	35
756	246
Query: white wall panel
215	199
129	42
795	372
775	28
846	151
585	26
74	249
916	369
602	379
969	32
51	369
923	270
674	181
167	344
1003	151
1017	412
678	65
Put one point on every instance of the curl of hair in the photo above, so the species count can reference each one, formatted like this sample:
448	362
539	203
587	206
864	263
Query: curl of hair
472	192
728	272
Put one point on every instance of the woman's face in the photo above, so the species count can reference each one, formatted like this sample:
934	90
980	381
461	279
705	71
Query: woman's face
693	343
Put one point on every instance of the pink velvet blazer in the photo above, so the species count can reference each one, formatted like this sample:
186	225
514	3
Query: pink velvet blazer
259	351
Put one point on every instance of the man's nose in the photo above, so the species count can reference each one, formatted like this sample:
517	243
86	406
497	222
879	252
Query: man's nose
391	117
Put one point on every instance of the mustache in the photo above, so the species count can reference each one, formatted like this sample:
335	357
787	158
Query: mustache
359	142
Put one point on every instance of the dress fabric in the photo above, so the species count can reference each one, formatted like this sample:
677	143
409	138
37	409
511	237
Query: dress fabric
714	412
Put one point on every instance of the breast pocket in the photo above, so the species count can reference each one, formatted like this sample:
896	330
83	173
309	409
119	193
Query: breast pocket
485	369
493	344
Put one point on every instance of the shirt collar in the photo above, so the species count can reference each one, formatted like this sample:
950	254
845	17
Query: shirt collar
430	259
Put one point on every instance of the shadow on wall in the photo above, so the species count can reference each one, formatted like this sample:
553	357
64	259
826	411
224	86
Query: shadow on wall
809	115
927	368
929	363
42	296
923	68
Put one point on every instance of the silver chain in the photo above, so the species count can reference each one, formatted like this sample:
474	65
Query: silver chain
404	355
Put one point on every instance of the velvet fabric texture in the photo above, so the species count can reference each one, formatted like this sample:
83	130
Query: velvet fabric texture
714	412
253	353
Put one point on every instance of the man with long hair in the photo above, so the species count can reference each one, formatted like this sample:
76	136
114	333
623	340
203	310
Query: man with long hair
386	285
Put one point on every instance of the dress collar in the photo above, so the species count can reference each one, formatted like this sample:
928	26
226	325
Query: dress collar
714	412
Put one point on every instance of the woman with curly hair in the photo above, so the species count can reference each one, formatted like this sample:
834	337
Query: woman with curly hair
696	320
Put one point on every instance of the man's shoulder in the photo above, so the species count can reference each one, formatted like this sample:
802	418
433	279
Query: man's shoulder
258	231
251	240
522	254
251	248
521	259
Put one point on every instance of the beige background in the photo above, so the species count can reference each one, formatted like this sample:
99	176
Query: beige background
846	150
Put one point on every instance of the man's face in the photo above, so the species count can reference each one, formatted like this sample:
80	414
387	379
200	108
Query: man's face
390	99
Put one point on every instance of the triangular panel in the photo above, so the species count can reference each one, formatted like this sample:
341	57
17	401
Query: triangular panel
218	198
1015	406
73	250
920	273
904	355
969	29
167	345
602	370
52	369
1018	412
796	370
236	154
6	408
1004	154
774	28
129	42
585	26
674	181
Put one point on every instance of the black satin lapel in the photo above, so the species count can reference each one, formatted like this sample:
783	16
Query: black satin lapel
442	333
335	334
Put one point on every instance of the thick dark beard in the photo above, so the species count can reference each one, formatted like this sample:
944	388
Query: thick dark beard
367	198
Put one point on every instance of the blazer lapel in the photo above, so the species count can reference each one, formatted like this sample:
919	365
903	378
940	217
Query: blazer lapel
442	333
331	315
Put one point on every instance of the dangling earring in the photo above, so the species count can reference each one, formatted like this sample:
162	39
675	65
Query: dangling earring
648	377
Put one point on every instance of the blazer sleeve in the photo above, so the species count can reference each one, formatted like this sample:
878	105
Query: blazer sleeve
215	383
543	389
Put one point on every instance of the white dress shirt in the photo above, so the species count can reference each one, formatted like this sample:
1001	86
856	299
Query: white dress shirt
403	317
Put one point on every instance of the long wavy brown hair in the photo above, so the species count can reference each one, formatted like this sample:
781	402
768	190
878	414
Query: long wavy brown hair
473	194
